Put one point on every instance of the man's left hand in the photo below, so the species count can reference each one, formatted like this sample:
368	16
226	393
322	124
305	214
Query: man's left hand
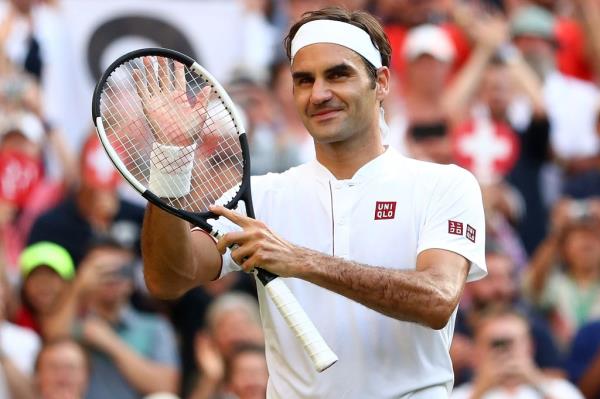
258	246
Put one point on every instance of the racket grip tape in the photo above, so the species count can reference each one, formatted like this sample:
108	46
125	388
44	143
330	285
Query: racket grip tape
315	346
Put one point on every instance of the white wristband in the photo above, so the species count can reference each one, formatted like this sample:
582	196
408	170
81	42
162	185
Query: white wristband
171	170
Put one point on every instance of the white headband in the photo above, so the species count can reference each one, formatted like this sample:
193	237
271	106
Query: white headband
336	32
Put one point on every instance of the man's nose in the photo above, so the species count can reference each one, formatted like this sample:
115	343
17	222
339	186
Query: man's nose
321	92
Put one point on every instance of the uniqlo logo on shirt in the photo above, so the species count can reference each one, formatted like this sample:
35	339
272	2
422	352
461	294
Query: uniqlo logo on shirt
385	210
471	232
455	227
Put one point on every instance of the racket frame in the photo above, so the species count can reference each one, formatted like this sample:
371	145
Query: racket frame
319	352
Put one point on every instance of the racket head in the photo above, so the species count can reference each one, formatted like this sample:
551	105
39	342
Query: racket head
124	116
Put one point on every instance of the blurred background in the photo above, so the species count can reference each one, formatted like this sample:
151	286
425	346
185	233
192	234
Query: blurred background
505	88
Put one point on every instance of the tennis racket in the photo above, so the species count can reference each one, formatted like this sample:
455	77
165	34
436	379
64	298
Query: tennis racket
173	133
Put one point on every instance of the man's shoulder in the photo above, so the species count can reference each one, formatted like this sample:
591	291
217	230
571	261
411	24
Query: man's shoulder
430	174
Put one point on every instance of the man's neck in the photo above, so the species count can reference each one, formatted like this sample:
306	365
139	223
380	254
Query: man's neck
344	159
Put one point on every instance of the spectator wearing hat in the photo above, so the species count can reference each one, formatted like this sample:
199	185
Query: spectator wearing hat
62	370
132	353
419	125
571	104
95	208
26	190
47	269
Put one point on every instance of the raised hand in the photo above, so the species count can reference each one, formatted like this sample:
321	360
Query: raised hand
173	118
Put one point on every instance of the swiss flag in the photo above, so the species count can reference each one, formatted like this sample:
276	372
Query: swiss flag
489	149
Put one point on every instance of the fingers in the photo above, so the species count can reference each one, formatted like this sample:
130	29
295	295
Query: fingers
241	254
140	86
163	73
151	76
235	217
179	76
231	239
202	99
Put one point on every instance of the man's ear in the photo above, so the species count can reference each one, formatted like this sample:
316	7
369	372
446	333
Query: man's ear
382	85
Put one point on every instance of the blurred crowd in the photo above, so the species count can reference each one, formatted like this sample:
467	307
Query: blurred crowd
505	88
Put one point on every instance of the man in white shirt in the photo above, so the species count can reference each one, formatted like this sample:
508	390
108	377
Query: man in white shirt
375	246
504	363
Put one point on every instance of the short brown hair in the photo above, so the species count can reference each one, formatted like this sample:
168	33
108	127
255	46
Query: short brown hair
360	19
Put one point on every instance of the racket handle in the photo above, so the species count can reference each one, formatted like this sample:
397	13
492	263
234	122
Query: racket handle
304	329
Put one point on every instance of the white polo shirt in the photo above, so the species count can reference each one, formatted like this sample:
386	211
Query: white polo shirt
391	210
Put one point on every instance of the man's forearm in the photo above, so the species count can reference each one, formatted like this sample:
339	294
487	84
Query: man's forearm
170	265
408	295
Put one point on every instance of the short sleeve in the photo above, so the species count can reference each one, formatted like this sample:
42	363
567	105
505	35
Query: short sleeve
454	219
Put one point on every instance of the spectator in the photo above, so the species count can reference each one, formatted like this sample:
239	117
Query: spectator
18	349
504	363
583	363
573	137
271	149
46	269
62	370
94	208
189	314
563	278
429	53
35	38
246	373
233	319
481	101
499	288
132	354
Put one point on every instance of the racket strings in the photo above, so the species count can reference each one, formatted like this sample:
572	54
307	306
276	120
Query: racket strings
149	100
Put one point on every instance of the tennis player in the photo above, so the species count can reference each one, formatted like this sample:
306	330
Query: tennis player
376	247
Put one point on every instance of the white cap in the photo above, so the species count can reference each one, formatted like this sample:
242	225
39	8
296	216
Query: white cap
28	124
431	40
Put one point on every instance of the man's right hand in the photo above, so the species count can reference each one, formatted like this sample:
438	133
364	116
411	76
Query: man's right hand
173	118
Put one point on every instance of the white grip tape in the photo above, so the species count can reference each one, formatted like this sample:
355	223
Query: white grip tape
171	170
316	347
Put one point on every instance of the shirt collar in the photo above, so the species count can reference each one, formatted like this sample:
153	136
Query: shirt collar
368	171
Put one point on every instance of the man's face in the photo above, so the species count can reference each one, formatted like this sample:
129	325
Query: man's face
503	337
42	288
428	72
581	249
249	376
496	90
115	288
62	372
232	328
333	93
498	287
538	53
